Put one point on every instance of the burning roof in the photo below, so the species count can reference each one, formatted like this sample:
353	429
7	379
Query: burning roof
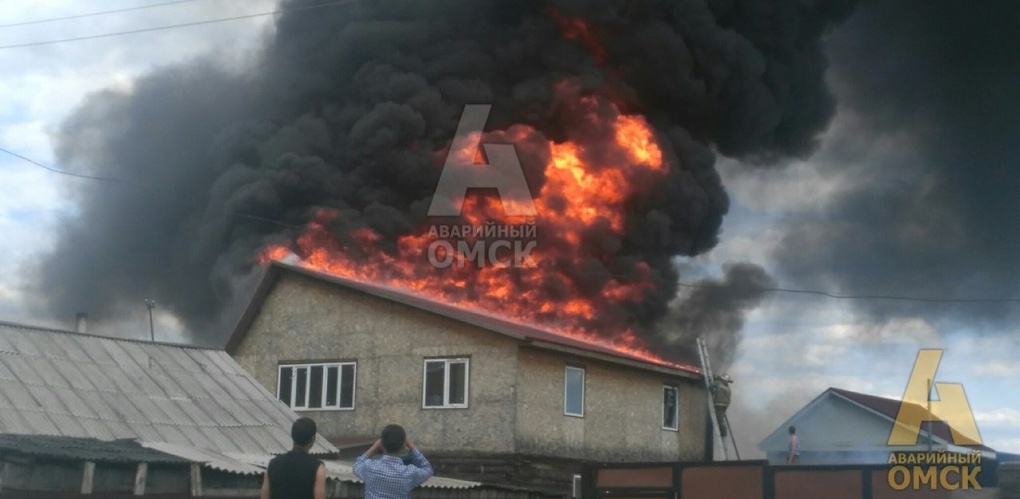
331	145
607	161
594	347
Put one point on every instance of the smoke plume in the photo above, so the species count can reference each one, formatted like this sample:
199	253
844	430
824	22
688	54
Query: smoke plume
348	105
715	310
931	106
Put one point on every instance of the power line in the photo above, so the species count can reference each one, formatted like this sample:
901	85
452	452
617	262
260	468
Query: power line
143	187
174	26
63	172
852	297
660	279
93	14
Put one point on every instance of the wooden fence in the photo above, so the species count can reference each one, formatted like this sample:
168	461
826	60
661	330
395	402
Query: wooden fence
759	480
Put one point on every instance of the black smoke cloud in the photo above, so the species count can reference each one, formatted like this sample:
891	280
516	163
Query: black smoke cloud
714	310
348	104
935	213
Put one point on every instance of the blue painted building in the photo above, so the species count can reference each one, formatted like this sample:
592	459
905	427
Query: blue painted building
845	427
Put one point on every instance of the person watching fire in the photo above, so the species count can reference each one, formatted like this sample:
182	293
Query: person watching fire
296	474
390	476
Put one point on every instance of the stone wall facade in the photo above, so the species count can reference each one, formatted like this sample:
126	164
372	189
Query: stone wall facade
515	400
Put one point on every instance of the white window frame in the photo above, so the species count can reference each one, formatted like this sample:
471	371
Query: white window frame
676	408
566	386
446	382
308	385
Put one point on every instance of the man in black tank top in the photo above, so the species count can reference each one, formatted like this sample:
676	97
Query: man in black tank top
296	474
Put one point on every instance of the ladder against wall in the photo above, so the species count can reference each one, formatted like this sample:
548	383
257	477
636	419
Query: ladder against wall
706	370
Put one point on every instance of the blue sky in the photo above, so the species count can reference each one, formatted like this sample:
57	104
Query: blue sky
794	346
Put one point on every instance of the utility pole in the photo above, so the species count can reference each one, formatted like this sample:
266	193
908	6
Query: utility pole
151	304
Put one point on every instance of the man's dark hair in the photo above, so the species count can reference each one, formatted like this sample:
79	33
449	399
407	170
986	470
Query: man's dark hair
393	438
792	430
303	431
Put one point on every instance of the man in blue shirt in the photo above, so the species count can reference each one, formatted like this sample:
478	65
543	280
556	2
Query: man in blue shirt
388	477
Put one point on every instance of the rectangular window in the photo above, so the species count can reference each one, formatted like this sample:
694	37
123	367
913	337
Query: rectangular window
300	387
573	392
332	382
317	386
283	390
445	383
347	385
670	408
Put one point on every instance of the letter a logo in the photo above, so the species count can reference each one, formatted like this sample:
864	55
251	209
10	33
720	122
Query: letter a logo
952	406
460	173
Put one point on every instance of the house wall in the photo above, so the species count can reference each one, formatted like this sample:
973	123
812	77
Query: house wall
622	412
515	394
304	319
836	431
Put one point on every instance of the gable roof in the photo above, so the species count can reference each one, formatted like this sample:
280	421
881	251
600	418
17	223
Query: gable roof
890	408
66	384
526	333
886	408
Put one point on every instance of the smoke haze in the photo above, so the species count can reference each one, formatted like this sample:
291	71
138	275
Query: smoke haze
930	151
716	310
347	105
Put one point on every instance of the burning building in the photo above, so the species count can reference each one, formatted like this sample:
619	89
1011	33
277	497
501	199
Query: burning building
495	331
331	145
489	399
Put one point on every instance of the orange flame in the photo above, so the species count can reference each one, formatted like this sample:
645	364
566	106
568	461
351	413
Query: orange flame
578	29
578	195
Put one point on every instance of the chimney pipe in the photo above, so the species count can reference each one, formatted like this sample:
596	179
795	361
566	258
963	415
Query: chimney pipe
81	322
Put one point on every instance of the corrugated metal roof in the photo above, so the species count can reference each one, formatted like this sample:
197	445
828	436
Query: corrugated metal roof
60	383
212	459
256	463
84	449
344	471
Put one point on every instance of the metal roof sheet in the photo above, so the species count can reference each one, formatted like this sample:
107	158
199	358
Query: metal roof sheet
132	451
98	428
344	471
212	459
14	421
60	383
41	423
84	449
